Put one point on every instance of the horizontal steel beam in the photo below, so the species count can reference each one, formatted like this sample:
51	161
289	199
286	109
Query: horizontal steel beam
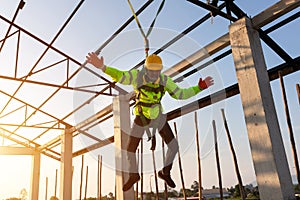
274	12
27	145
286	68
94	146
31	126
213	9
263	18
47	84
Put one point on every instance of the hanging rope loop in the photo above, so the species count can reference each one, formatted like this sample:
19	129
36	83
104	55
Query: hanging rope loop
145	36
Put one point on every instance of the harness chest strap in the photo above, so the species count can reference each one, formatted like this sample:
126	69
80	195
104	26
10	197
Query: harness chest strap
141	85
157	90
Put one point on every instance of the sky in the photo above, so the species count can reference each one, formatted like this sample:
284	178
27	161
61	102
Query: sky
92	25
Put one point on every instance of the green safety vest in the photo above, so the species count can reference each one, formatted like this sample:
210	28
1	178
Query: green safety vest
149	95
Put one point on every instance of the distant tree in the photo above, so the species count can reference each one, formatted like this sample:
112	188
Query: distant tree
248	190
188	192
111	196
195	187
149	195
231	190
104	197
23	194
255	192
172	193
237	192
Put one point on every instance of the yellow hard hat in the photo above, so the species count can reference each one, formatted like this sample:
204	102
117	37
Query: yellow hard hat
153	62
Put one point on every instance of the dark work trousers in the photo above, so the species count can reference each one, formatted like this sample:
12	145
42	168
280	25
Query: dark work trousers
136	134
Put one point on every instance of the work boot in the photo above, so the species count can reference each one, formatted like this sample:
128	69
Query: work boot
133	178
167	178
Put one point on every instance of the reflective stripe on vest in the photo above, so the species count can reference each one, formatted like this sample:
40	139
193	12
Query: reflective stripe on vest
146	90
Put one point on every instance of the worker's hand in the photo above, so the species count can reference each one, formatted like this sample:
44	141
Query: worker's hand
93	59
207	82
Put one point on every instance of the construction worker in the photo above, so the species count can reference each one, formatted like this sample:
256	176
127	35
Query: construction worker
150	86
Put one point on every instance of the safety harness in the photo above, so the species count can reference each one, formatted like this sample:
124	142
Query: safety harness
160	90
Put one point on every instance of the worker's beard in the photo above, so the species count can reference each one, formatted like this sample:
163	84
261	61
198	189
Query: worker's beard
151	79
152	76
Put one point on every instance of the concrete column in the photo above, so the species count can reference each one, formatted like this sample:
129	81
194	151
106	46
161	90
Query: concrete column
35	176
66	165
268	153
121	131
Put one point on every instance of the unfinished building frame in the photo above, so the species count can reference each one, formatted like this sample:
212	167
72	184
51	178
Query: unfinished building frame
244	31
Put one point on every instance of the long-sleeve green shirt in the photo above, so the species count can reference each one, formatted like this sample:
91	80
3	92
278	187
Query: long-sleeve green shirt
131	78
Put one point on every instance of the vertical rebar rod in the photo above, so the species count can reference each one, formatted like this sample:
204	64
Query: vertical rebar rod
99	182
55	186
290	127
142	174
98	177
137	185
46	192
180	165
81	177
86	181
198	158
164	162
155	175
217	159
237	171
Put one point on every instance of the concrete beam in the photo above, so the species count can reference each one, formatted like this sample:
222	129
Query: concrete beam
267	148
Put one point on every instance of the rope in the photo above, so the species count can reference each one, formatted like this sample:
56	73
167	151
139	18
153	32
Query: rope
145	36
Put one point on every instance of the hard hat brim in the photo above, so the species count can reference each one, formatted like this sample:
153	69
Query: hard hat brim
153	66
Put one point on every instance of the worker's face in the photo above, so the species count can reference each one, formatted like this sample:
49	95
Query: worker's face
153	74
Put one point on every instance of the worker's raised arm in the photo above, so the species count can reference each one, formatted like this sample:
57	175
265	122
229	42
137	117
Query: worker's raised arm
184	93
123	77
93	59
